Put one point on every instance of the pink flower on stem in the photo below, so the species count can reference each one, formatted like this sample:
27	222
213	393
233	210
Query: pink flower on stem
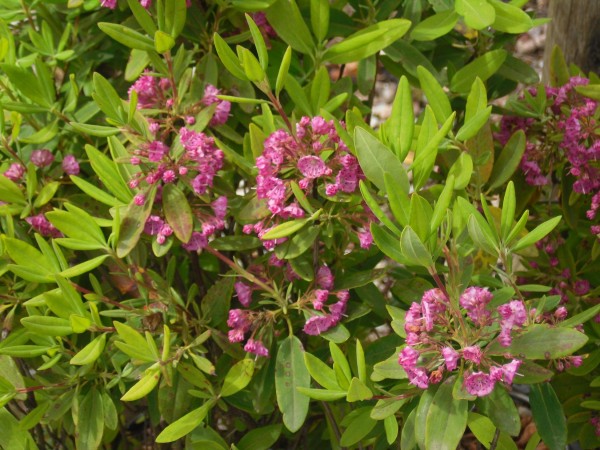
475	300
312	167
473	354
243	292
318	324
512	315
15	172
479	384
451	357
256	347
325	278
41	158
319	299
70	165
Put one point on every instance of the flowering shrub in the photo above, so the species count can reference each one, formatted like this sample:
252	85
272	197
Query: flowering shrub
205	243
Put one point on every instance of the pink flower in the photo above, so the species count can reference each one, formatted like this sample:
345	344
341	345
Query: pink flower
366	239
418	377
256	347
153	225
243	292
15	172
70	165
40	224
148	92
157	151
197	242
112	4
408	358
450	357
479	384
475	300
512	315
312	167
219	207
509	370
325	278
139	199
41	158
472	353
581	287
318	324
319	299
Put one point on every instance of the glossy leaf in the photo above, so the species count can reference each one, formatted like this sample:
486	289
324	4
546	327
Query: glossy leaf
478	14
91	352
548	416
290	374
285	17
435	26
399	127
177	212
508	160
184	425
446	419
126	36
537	233
375	159
436	97
483	67
90	424
367	42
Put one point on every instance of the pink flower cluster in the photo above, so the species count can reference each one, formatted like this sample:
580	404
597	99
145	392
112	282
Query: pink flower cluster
315	158
150	91
240	321
431	345
318	324
569	133
43	226
159	165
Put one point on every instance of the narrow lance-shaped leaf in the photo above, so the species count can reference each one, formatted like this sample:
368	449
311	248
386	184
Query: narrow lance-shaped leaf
436	97
400	125
508	160
548	416
537	233
178	212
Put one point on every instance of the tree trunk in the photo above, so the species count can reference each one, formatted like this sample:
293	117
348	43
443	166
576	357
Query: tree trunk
575	28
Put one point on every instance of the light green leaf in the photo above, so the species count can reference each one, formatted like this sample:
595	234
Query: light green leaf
508	160
185	424
478	14
91	352
436	97
238	377
127	36
446	419
90	421
536	234
483	67
178	212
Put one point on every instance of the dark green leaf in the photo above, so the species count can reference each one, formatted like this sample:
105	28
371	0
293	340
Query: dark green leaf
548	416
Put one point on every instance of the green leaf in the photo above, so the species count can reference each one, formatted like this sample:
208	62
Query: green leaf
324	395
360	362
252	68
95	192
548	416
46	194
163	42
290	374
10	192
508	211
399	127
510	19
358	391
143	387
478	14
442	205
508	160
388	243
477	99
319	18
90	353
77	224
28	256
174	17
386	407
178	212
436	97
413	250
28	84
398	199
83	267
90	421
582	317
472	126
446	418
297	94
375	159
185	424
501	409
284	68
132	224
360	425
376	209
238	377
127	36
391	429
285	17
107	99
108	173
297	245
321	372
435	26
408	440
426	153
481	234
366	42
237	243
142	16
483	67
47	325
285	229
259	43
542	342
228	58
462	170
484	430
537	233
261	438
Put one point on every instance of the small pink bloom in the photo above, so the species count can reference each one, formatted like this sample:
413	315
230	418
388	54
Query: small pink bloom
318	324
472	353
256	347
197	242
41	158
70	165
319	299
312	167
139	199
243	292
366	239
325	278
15	172
450	357
479	384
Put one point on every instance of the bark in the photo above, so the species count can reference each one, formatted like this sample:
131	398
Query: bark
575	28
